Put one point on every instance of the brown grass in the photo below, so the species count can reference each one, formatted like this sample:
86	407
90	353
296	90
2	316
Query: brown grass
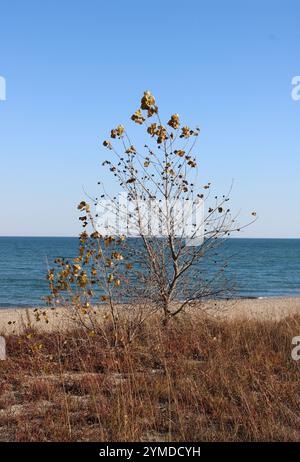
197	379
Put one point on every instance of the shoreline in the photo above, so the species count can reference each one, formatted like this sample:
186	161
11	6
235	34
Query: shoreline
15	320
225	299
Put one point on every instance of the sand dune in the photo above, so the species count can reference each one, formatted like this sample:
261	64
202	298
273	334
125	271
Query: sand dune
15	320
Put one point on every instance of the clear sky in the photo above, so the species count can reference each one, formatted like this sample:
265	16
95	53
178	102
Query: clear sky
75	68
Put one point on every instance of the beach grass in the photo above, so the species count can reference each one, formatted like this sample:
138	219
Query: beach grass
197	379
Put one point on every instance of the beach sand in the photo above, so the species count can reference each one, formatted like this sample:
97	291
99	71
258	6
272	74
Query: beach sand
17	319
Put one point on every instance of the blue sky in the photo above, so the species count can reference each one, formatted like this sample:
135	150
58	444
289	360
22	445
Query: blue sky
76	68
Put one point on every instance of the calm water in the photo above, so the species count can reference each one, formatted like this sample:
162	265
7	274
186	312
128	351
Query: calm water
258	267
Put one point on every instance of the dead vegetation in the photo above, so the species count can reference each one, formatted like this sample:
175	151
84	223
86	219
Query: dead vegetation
195	379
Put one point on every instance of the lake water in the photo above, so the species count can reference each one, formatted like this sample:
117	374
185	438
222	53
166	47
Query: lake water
258	267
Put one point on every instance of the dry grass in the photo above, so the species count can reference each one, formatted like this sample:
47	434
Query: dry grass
193	380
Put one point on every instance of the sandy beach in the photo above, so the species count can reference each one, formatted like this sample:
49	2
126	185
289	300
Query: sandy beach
14	320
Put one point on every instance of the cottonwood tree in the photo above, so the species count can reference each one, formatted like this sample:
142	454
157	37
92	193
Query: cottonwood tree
177	266
171	264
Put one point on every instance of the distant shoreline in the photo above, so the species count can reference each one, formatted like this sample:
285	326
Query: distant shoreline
225	299
15	320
